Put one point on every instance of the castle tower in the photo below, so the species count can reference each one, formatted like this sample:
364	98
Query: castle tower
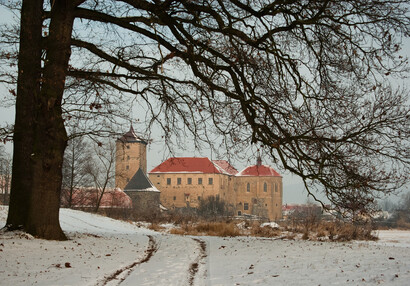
131	155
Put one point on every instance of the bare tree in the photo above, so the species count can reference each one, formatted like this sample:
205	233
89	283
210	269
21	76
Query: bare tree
101	168
401	215
5	173
75	165
308	80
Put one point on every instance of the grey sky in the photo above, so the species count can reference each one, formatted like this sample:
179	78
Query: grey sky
293	187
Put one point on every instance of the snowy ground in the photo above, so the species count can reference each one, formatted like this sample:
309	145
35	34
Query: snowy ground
102	251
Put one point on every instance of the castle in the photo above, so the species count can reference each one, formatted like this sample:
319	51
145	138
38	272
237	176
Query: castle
185	181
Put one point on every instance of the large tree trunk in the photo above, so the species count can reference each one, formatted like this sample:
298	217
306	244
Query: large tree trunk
28	88
43	154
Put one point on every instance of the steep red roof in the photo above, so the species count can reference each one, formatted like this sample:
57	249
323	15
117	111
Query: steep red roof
259	170
188	165
228	168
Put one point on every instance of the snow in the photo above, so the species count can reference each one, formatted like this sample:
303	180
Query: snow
152	189
270	224
103	251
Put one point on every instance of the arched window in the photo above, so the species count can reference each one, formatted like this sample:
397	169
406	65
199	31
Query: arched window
276	187
265	187
248	187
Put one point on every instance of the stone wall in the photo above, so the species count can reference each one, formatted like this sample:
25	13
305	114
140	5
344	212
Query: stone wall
145	202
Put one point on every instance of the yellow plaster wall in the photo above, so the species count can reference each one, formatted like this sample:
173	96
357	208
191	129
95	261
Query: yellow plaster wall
265	204
133	155
182	195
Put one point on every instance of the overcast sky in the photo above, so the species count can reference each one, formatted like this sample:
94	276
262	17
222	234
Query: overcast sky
292	186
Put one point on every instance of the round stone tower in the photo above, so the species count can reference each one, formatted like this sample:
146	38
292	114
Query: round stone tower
131	155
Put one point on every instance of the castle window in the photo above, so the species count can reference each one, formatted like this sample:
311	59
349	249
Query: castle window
248	187
265	187
239	213
210	181
168	181
199	181
245	206
179	181
175	198
276	188
199	198
128	157
189	181
127	167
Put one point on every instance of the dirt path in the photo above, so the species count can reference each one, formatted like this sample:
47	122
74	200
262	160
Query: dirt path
179	260
200	260
121	274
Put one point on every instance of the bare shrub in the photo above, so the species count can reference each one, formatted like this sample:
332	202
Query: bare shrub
311	226
212	208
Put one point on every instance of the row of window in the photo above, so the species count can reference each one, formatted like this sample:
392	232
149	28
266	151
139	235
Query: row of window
265	187
187	198
189	181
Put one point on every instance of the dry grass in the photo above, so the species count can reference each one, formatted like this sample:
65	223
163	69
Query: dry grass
305	228
266	231
208	228
323	230
403	224
343	231
156	227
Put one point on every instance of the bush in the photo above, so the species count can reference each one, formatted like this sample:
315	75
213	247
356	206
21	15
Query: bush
212	208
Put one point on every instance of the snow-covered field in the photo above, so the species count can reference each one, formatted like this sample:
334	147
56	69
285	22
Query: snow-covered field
102	251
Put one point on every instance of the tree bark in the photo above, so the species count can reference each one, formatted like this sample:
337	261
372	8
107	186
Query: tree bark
28	88
36	189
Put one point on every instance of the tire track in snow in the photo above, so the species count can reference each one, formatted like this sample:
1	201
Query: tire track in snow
194	267
121	274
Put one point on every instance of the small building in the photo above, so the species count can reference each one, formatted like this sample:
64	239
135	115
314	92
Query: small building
259	191
88	198
145	197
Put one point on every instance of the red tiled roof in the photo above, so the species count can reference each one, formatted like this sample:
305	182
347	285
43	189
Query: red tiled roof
187	165
228	168
87	197
259	170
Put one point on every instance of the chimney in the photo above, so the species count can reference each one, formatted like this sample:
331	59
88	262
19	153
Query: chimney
259	161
